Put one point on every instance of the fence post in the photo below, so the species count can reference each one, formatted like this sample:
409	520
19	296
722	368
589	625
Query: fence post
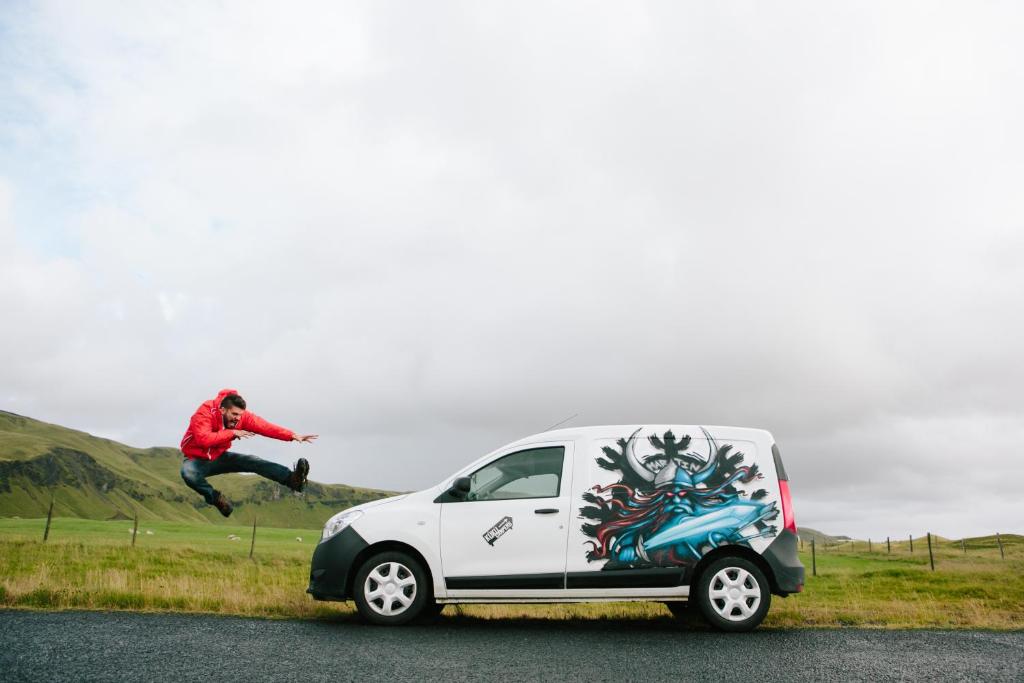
911	542
1000	542
931	558
888	546
963	546
814	560
49	516
135	529
253	544
869	545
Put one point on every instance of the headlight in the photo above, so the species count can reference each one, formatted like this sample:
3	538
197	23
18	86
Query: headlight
338	522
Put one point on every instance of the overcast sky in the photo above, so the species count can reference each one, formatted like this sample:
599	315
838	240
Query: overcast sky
423	230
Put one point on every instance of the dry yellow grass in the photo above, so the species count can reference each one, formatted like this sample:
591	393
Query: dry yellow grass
214	575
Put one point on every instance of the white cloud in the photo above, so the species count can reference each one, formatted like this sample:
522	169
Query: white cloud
426	231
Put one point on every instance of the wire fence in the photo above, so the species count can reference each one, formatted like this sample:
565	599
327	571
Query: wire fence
135	530
929	545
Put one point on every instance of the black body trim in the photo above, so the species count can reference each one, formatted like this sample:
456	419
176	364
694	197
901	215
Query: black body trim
332	564
780	469
512	582
655	577
781	556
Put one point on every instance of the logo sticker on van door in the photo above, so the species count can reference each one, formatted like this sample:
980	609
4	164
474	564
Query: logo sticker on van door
673	505
503	526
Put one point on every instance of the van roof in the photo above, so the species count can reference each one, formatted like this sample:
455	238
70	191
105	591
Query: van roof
622	431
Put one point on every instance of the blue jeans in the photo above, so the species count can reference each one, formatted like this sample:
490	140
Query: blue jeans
195	472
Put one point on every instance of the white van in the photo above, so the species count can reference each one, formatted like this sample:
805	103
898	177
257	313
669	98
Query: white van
640	512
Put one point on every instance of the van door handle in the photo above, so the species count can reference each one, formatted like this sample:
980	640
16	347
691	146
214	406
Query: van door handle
546	511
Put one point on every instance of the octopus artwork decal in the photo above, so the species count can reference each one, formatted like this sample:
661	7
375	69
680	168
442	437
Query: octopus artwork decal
672	506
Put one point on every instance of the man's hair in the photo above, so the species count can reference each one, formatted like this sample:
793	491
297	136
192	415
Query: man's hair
233	400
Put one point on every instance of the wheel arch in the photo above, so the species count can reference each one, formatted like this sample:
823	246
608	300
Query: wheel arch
736	551
385	546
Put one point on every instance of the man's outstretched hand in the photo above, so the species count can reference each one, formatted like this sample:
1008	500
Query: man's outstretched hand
242	434
304	438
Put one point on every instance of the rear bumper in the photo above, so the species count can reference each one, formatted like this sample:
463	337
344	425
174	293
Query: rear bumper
332	565
782	557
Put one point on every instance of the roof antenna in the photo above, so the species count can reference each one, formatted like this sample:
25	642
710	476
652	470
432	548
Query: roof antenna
561	423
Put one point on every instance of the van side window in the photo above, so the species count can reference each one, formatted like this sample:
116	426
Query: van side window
533	473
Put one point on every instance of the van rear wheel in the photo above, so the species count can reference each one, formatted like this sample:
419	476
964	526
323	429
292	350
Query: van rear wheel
733	594
391	589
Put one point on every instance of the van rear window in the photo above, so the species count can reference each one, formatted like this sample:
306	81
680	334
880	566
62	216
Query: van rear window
779	467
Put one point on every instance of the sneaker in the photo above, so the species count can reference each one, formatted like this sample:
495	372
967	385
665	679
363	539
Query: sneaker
222	504
297	479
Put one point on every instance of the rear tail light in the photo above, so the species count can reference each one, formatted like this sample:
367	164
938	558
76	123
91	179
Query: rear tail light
788	520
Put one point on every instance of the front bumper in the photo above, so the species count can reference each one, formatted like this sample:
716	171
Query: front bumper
333	564
782	557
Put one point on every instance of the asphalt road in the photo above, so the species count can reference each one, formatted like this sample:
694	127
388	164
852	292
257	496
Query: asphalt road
108	646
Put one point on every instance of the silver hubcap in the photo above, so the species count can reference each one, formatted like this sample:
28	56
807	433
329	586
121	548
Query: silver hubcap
390	589
734	593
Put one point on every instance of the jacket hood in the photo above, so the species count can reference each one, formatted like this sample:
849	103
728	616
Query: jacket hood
221	395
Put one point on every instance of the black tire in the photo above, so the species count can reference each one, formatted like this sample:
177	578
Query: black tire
686	614
404	590
733	594
431	611
679	609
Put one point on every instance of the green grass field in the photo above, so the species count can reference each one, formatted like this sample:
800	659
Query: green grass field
197	568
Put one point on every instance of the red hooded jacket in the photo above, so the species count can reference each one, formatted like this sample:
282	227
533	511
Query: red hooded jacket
207	438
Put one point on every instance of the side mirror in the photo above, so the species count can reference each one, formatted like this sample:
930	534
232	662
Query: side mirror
460	488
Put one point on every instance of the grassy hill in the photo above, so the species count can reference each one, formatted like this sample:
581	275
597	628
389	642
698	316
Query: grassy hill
94	478
820	537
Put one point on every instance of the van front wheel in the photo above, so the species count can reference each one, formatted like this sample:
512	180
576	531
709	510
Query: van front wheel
391	589
733	594
685	614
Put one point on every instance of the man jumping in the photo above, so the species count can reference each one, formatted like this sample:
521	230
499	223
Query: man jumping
210	432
